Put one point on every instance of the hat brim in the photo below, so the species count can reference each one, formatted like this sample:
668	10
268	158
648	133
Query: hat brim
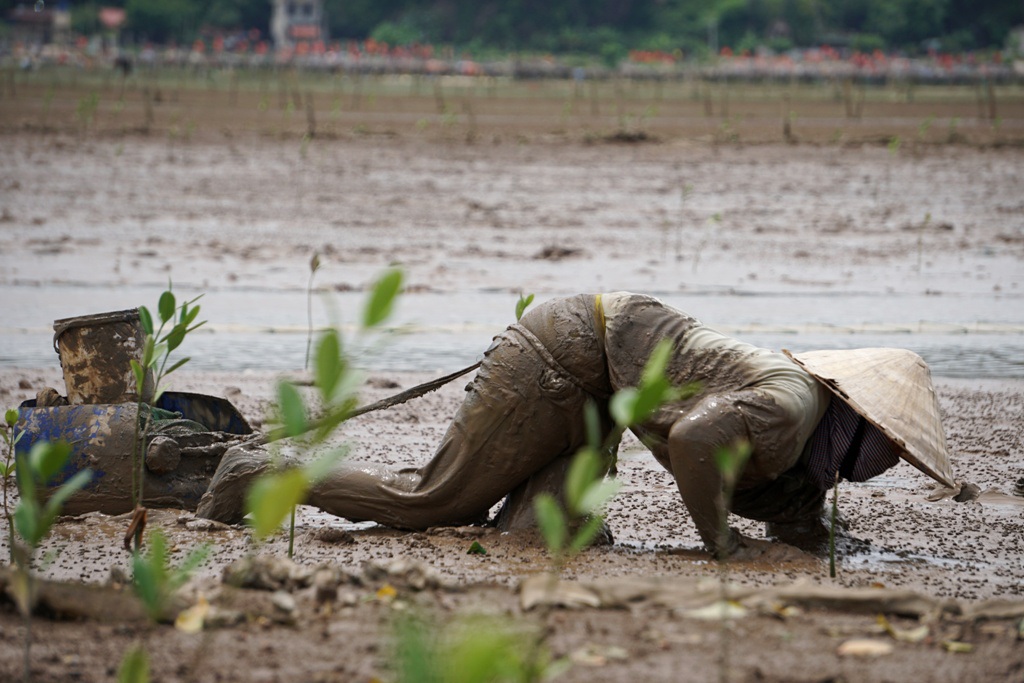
891	389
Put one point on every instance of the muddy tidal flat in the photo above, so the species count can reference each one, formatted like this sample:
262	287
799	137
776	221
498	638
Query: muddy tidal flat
797	247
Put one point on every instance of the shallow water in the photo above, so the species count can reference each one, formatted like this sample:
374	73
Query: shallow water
971	335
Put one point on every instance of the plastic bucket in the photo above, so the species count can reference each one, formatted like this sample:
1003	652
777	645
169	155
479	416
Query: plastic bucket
96	353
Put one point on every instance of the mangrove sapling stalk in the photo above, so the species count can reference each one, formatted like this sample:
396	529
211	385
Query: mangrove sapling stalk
714	220
314	265
179	321
155	583
684	195
7	470
832	529
33	519
730	463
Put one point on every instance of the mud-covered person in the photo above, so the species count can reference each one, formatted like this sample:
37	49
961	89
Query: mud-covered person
523	419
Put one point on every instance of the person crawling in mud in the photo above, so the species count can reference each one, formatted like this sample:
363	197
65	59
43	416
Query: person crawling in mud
809	419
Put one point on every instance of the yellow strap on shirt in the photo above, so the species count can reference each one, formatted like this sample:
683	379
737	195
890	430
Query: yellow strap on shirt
599	315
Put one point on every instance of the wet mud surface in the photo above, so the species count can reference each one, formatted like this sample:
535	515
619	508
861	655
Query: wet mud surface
808	241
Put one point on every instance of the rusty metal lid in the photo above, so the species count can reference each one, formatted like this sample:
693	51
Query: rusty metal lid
62	325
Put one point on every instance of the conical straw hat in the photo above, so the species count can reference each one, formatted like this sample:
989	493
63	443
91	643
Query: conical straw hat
893	389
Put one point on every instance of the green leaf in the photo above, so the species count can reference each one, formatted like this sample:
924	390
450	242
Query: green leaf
159	351
271	499
622	406
177	365
322	466
598	495
26	522
583	471
551	521
382	298
140	375
175	337
3	469
60	496
148	351
649	398
47	458
293	410
134	667
145	581
522	305
166	306
146	319
329	364
25	480
181	575
586	534
186	320
730	460
11	417
657	363
476	549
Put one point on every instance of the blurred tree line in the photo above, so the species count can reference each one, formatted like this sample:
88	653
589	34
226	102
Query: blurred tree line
598	27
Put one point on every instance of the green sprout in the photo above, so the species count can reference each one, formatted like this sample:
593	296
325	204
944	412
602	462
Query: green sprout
275	495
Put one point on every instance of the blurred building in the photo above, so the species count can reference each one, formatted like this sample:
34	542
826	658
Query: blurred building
297	21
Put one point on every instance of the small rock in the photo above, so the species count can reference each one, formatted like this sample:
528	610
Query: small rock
49	398
266	573
223	618
283	601
333	535
325	583
24	384
348	598
206	525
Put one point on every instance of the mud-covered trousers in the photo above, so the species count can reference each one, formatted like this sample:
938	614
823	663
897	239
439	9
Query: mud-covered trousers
521	422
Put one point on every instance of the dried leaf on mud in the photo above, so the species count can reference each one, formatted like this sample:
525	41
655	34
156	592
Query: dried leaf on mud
914	635
598	655
957	647
864	647
722	609
191	620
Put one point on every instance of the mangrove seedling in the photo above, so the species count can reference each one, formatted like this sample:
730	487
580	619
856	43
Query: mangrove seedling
155	581
7	469
34	518
471	649
176	322
314	265
587	492
155	584
730	463
275	495
521	305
